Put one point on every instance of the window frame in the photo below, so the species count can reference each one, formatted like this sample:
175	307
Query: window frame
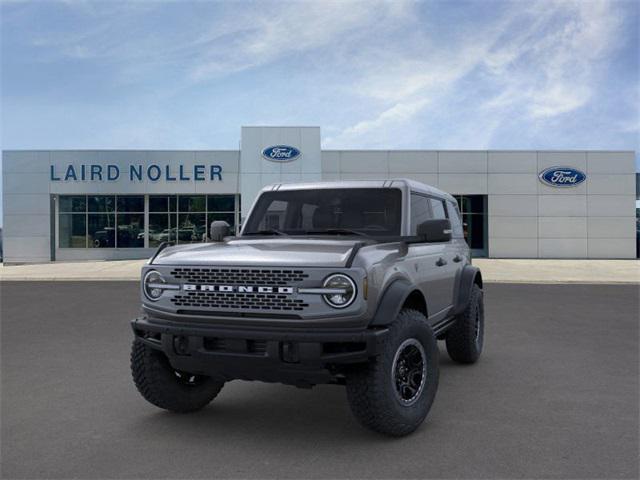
429	197
88	212
444	208
59	215
145	212
453	205
412	193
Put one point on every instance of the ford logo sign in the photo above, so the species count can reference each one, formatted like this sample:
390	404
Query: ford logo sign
281	153
562	177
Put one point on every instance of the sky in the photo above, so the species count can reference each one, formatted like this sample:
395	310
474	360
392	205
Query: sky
373	74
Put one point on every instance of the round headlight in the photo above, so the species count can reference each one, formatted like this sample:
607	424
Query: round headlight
344	290
150	285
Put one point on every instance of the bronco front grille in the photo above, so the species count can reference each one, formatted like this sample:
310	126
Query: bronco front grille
237	276
245	301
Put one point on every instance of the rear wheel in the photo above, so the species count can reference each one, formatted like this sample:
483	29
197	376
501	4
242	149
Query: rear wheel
165	387
394	393
465	339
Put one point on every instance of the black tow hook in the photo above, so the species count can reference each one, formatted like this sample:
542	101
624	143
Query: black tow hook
289	352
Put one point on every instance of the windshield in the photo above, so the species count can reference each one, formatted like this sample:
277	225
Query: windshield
339	211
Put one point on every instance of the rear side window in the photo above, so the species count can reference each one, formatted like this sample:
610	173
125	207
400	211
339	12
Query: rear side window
420	211
437	207
456	223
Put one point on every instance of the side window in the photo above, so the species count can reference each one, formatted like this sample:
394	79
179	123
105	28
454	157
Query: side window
420	211
456	223
437	206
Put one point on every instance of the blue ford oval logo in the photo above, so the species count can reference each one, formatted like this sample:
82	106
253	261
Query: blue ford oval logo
562	176
281	153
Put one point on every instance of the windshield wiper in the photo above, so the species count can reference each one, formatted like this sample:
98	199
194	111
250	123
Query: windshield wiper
337	231
270	231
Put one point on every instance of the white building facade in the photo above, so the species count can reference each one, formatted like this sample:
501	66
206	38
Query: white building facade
119	204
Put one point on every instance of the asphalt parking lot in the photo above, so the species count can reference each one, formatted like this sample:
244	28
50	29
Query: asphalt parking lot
555	395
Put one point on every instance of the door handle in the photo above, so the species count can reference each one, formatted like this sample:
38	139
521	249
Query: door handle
457	259
441	262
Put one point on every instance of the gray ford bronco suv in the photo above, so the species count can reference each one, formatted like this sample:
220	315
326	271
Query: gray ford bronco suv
350	283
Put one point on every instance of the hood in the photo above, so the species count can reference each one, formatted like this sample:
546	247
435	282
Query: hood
261	252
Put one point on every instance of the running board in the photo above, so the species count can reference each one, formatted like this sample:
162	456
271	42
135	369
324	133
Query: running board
443	325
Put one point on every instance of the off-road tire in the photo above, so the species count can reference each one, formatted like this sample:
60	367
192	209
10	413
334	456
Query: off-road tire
464	345
371	390
159	384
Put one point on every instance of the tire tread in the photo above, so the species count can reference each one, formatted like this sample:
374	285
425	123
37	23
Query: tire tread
368	386
460	339
150	370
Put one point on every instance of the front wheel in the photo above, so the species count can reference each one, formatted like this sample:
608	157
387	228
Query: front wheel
163	386
394	393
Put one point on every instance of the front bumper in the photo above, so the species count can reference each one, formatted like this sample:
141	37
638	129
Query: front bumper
268	354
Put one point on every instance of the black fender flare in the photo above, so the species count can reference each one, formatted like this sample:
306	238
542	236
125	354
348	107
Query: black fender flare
391	302
468	277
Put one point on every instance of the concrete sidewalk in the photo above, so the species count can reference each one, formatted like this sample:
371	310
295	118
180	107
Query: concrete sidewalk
493	271
94	271
559	271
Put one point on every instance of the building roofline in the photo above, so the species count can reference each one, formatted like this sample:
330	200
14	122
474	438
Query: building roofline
322	150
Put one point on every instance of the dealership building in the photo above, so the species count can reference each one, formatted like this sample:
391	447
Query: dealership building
121	204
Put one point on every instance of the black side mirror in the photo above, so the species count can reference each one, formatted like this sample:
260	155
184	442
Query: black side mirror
436	230
219	229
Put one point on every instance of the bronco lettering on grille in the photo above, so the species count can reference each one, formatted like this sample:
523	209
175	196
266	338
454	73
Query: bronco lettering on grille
237	289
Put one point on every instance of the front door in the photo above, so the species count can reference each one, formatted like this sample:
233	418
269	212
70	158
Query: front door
435	262
436	271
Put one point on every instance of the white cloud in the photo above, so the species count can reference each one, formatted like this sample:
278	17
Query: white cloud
558	98
566	58
630	126
231	37
373	73
406	87
261	37
539	60
400	112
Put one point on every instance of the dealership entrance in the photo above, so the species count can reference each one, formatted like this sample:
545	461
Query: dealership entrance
473	209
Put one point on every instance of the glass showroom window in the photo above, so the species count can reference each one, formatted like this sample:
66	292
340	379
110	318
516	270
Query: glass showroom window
222	207
192	218
186	218
130	221
162	219
101	221
72	221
